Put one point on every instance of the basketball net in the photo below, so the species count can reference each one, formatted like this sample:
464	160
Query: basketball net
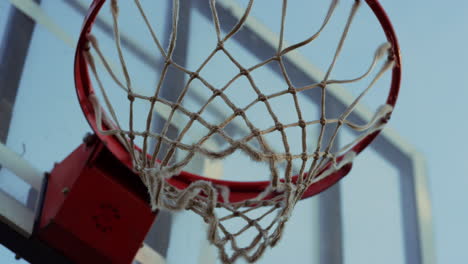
273	206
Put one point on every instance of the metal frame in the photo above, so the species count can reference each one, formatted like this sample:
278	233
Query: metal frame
417	220
13	53
17	219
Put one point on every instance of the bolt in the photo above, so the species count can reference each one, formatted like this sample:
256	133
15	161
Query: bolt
65	190
89	139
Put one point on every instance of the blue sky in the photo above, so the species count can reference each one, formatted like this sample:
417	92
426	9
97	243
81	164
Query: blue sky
432	109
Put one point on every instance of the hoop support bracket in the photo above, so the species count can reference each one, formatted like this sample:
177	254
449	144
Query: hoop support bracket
95	209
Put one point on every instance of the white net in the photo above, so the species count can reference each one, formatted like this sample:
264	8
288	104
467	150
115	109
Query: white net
161	156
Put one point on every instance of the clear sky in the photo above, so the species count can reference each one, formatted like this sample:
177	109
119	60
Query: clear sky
431	112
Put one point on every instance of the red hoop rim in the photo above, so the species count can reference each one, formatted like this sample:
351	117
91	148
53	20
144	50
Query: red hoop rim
239	191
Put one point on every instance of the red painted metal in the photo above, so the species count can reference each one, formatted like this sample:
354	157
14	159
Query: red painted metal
91	215
239	191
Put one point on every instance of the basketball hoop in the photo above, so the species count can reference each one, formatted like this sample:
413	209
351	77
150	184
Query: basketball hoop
172	188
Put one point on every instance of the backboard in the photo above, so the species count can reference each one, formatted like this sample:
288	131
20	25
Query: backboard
42	122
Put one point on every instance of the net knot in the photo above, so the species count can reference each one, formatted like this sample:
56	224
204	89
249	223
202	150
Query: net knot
215	129
279	126
194	75
302	123
194	116
262	97
220	46
255	132
239	112
323	84
301	187
323	121
217	92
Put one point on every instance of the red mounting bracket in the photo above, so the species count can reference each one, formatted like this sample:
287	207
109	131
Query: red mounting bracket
95	209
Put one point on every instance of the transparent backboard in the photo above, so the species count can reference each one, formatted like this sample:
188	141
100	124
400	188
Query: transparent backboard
377	206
